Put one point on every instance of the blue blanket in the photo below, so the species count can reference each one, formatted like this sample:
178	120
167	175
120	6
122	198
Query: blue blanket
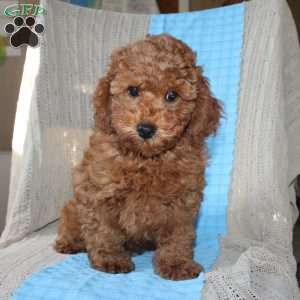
217	37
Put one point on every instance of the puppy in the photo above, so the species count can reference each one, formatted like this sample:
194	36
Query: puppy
140	183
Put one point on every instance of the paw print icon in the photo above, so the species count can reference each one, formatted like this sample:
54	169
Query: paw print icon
24	31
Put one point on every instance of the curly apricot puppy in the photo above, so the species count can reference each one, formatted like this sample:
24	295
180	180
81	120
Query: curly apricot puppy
140	183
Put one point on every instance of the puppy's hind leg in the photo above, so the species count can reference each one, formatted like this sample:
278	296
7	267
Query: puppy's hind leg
69	238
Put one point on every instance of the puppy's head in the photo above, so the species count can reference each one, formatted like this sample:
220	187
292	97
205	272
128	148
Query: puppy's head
153	95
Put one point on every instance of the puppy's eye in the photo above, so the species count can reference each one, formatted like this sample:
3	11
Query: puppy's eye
133	91
171	96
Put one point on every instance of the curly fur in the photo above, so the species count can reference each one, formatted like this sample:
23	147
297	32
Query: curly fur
132	194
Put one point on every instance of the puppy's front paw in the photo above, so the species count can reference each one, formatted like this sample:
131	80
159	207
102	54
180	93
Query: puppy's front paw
178	269
65	247
112	263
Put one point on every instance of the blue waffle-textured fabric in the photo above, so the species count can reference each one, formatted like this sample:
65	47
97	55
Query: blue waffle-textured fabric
217	37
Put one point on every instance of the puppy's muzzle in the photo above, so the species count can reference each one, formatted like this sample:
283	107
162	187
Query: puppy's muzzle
146	130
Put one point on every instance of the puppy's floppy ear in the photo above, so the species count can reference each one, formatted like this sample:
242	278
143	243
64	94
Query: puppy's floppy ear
207	113
102	103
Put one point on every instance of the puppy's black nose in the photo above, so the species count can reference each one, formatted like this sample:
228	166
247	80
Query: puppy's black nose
146	130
